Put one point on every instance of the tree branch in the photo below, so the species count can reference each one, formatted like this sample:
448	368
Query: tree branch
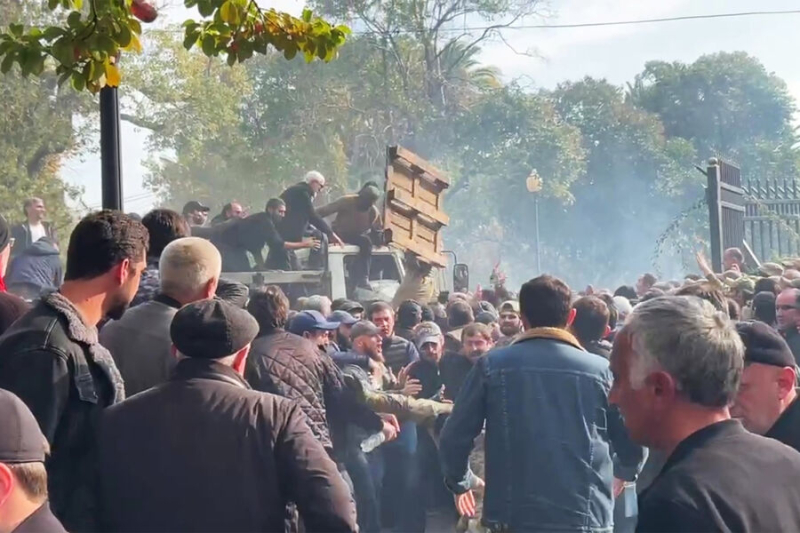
141	123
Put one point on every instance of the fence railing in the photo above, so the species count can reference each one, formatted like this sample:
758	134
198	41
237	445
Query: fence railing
772	218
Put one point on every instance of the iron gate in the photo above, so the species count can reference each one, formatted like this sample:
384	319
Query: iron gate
726	207
772	218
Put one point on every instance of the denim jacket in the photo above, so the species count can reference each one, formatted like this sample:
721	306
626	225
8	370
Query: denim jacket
553	442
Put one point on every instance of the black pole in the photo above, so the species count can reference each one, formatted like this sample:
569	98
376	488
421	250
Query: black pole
111	158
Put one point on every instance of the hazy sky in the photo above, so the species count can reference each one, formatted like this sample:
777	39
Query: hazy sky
554	55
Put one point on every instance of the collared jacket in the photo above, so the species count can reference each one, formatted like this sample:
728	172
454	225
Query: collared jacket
288	365
205	452
52	360
550	436
38	268
724	478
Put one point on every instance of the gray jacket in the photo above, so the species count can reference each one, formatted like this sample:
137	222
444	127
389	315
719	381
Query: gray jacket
140	344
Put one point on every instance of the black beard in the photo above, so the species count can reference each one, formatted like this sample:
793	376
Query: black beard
116	312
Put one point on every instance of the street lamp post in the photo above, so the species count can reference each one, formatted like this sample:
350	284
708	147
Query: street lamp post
534	185
110	156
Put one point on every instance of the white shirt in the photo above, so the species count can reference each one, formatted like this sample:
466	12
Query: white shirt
37	232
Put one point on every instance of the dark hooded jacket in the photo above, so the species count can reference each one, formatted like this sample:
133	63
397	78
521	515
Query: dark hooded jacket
38	267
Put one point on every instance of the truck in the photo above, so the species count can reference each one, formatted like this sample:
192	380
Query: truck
413	220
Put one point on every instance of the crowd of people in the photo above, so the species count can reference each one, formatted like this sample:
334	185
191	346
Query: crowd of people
144	392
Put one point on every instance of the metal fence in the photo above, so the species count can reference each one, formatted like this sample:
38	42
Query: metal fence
726	207
772	218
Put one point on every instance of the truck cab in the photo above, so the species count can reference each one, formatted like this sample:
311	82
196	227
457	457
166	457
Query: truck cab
386	275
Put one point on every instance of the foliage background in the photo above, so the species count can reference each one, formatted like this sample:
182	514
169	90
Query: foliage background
620	190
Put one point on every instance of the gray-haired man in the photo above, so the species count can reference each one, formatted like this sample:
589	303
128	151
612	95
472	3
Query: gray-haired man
677	364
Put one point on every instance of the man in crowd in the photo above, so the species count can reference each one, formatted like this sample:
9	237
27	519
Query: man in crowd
313	326
23	478
356	217
763	307
37	269
195	213
677	364
766	400
397	351
787	317
300	210
543	385
163	227
459	315
409	314
644	284
230	211
319	303
252	234
590	326
154	478
140	342
733	259
454	367
34	227
340	341
52	360
355	309
510	322
396	462
288	365
429	341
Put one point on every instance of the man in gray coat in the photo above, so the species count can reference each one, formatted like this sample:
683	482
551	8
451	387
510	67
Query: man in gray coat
140	344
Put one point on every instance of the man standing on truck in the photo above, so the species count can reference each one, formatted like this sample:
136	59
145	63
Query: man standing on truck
356	217
300	211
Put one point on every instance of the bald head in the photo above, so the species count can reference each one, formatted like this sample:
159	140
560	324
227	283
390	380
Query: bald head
189	269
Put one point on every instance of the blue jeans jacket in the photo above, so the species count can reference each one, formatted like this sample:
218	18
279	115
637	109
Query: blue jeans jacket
553	442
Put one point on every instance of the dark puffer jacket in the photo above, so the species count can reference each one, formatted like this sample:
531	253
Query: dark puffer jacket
288	365
36	269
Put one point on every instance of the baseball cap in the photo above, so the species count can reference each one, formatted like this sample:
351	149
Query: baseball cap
425	333
364	327
212	329
510	305
764	345
21	440
351	307
309	321
342	317
194	205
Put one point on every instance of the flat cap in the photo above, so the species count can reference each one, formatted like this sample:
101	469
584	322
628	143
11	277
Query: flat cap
21	440
212	329
364	327
764	345
510	305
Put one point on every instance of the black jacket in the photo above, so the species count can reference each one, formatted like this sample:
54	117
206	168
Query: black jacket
723	478
38	267
22	236
787	428
793	340
236	237
52	361
204	452
299	213
41	521
288	365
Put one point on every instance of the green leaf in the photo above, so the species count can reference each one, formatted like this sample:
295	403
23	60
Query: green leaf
52	32
7	63
189	23
77	4
206	7
78	81
307	13
191	38
5	46
74	20
107	45
228	13
290	52
52	4
189	3
38	65
16	30
135	26
124	37
209	45
231	59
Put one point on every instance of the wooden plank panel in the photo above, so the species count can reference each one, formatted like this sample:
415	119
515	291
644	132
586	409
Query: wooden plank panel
417	205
